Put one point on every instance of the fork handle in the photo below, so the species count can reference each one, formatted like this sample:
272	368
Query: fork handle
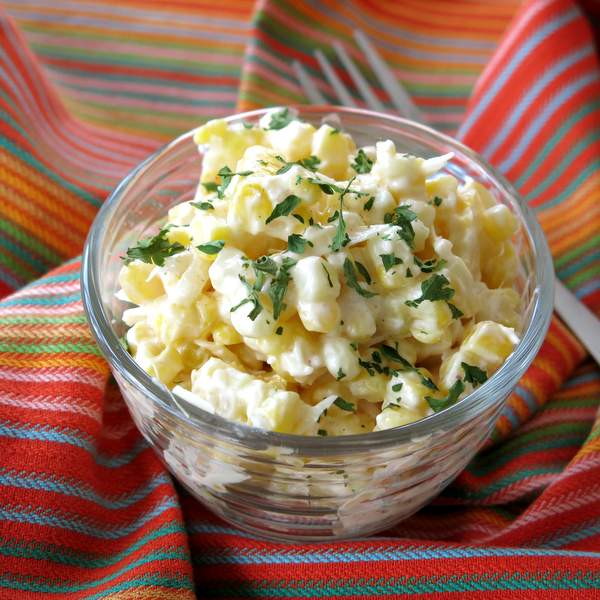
579	318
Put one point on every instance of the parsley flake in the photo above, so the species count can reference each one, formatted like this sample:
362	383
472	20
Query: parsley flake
202	205
210	186
369	203
279	286
340	374
392	354
322	432
363	271
328	275
473	374
362	163
284	208
389	261
297	244
280	119
437	200
456	312
352	281
431	265
438	404
402	218
334	131
434	288
279	330
226	175
397	387
213	247
344	405
252	297
154	250
298	218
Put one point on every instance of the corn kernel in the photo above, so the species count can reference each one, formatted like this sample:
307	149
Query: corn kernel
225	335
135	282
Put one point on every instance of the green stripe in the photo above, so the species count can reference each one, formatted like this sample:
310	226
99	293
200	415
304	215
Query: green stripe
81	348
583	261
158	63
583	276
30	242
424	584
45	320
591	244
36	164
555	140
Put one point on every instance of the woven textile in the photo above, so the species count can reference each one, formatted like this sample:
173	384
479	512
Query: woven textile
87	90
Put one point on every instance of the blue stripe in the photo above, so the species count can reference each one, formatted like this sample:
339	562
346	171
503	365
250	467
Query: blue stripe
528	397
522	53
71	522
509	413
583	378
585	261
576	536
532	95
587	289
70	488
542	118
54	300
72	437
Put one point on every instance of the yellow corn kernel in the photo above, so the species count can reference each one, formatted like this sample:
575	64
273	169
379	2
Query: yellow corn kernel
429	321
166	365
176	235
396	417
489	344
321	317
134	281
249	208
499	223
501	268
334	151
225	335
367	387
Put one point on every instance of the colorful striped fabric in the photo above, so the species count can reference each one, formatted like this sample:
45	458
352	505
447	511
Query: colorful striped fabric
87	90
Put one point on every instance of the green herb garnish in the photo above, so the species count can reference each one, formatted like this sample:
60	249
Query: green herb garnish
363	271
402	218
389	261
154	250
252	298
297	244
352	281
213	247
437	200
369	203
279	286
434	288
226	175
392	354
362	163
311	163
397	387
456	312
202	205
279	330
210	186
298	218
438	404
328	275
340	374
431	265
280	119
344	405
474	375
284	208
322	432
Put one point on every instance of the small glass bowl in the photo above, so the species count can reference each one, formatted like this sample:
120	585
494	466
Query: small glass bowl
287	487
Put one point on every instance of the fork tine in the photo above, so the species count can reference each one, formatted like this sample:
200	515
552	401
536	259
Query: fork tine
336	83
307	84
363	87
398	94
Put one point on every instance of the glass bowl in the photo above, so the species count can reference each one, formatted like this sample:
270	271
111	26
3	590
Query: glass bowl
288	487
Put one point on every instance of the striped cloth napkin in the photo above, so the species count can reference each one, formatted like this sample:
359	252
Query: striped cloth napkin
87	90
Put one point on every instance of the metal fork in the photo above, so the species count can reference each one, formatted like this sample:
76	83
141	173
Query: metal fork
574	313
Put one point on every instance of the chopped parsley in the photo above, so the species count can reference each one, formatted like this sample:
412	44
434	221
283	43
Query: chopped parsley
473	374
297	244
202	205
298	218
311	163
210	186
154	250
341	237
409	273
284	208
328	275
340	374
279	330
332	188
456	312
279	286
434	288
213	247
369	203
226	175
247	125
344	405
437	200
431	265
438	404
362	163
280	119
265	264
389	261
334	131
363	271
402	218
392	354
397	387
322	432
252	298
352	281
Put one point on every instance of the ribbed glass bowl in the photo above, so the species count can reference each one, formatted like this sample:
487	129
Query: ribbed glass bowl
288	487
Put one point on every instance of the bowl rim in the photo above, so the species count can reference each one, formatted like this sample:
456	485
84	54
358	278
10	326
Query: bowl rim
478	400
